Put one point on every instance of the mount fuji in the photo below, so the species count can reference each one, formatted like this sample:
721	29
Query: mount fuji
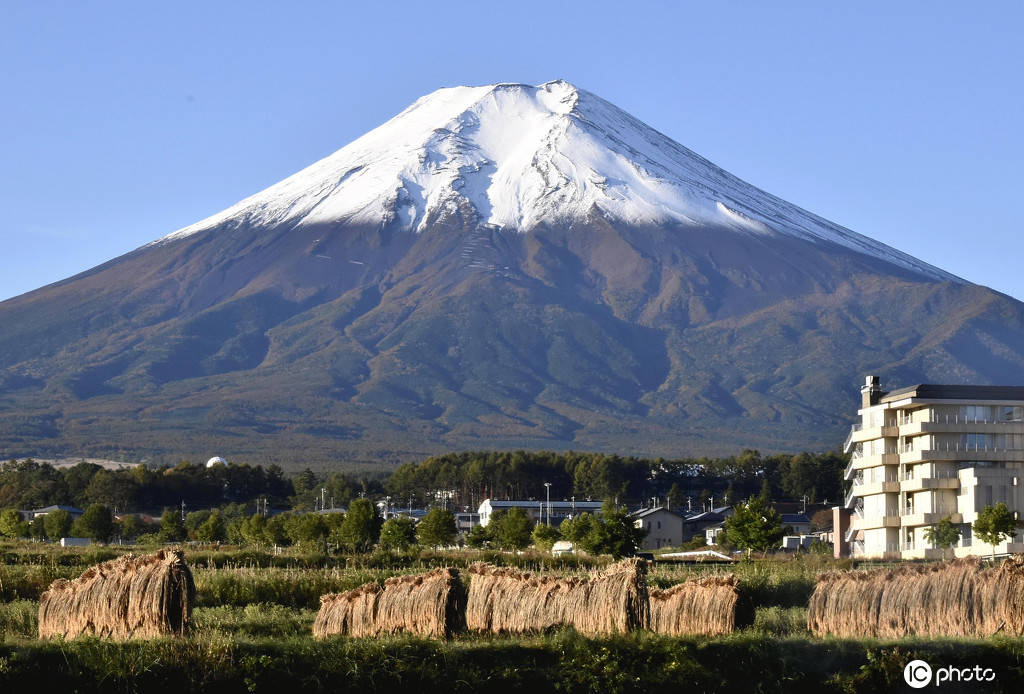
495	267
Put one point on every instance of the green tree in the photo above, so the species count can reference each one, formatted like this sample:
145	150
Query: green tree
334	522
57	524
621	537
361	527
437	528
194	520
545	536
704	498
12	525
675	496
398	533
306	529
276	533
114	489
213	529
172	527
478	537
97	523
729	497
943	534
37	528
511	529
253	530
582	531
995	523
131	527
754	526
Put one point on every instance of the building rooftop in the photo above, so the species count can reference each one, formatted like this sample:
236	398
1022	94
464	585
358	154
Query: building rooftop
931	391
58	507
498	503
644	512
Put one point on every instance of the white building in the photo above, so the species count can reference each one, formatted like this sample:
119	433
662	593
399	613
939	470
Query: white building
540	511
928	452
664	527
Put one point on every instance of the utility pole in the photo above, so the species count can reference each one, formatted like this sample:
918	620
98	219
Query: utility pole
183	510
547	486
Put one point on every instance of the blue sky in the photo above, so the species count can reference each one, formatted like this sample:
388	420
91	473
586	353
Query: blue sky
124	121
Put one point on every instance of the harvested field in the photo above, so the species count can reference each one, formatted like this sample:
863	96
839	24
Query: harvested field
510	601
127	598
704	606
429	604
957	598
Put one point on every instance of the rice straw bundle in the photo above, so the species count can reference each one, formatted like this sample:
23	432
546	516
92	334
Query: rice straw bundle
129	597
506	600
957	598
429	604
705	606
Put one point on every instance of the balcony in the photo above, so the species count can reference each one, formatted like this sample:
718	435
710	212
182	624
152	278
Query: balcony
956	452
913	517
872	432
941	479
890	520
957	424
849	470
890	485
849	437
859	462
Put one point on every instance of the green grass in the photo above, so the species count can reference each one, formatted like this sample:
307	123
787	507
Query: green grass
297	588
780	621
253	620
560	662
28	581
19	619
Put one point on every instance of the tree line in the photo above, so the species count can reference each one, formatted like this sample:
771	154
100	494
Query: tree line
466	479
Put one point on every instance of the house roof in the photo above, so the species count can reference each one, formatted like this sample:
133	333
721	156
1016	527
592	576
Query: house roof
586	505
644	512
57	507
791	518
706	517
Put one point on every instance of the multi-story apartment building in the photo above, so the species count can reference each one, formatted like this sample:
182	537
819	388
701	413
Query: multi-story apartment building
925	452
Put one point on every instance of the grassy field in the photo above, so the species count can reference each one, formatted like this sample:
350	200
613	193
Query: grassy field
252	632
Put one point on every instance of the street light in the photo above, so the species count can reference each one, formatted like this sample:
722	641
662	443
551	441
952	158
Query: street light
548	486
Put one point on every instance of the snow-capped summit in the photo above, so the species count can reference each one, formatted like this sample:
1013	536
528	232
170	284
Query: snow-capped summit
522	156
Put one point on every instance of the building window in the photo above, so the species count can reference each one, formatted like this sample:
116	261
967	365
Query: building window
1011	414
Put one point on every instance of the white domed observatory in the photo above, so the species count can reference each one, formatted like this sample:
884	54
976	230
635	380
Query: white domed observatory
216	460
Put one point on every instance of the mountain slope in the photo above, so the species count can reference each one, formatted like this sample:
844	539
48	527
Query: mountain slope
502	266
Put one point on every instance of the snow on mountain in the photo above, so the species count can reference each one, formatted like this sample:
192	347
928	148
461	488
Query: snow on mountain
523	156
